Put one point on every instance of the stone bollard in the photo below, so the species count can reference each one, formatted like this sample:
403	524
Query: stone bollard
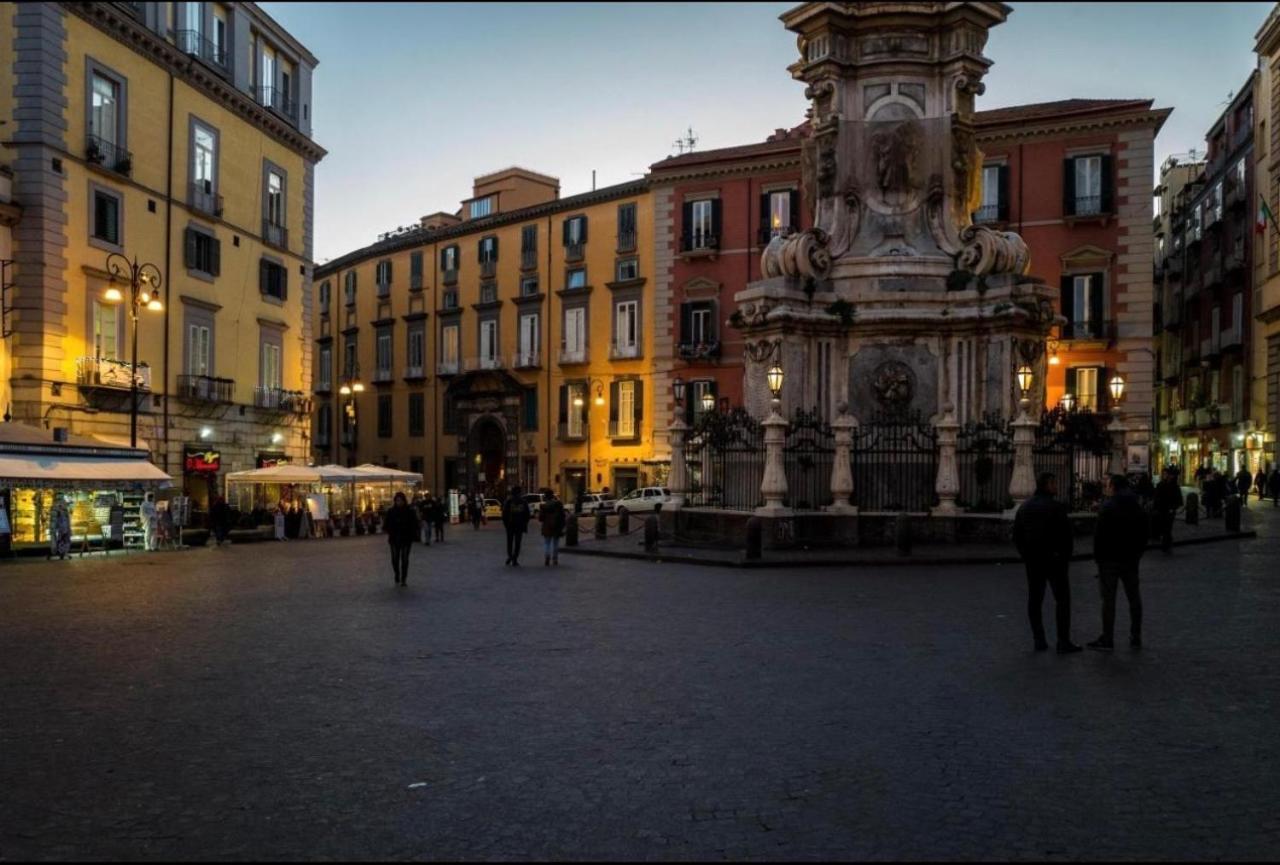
755	538
571	531
624	522
1193	509
1232	514
902	534
602	526
651	534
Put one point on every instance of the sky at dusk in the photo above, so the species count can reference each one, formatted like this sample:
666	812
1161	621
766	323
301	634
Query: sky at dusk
413	100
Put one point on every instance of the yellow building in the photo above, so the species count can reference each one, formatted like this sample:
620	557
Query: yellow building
176	135
1265	360
507	343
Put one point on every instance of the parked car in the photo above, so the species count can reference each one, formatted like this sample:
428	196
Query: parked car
492	509
597	503
644	500
535	501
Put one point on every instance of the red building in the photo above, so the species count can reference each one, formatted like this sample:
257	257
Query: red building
1073	178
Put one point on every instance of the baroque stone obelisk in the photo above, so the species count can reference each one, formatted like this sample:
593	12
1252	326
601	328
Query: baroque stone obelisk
894	302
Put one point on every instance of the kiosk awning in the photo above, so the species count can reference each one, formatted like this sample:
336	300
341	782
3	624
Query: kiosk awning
40	470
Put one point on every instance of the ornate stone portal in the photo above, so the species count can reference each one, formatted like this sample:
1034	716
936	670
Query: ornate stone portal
894	300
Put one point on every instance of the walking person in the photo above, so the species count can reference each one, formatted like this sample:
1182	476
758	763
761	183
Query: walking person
1244	480
515	519
60	529
220	517
402	531
1273	487
552	517
1118	544
422	506
279	522
1042	533
439	516
150	517
477	511
1168	502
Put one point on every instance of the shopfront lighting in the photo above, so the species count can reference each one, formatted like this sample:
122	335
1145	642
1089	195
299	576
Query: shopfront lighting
774	379
155	305
276	438
1025	379
1117	387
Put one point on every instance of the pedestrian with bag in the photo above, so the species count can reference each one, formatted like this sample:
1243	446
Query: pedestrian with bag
515	519
402	530
1118	544
1168	501
1042	534
553	519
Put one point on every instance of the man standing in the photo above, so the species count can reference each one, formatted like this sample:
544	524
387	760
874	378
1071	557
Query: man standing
1042	533
402	531
1168	501
1118	545
515	519
1244	481
1273	487
552	517
150	516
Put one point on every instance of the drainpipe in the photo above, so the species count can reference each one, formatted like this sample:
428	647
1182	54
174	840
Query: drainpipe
168	254
435	397
550	343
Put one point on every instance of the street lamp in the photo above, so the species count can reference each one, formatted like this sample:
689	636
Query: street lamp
351	385
1068	400
1025	379
1117	387
708	401
144	281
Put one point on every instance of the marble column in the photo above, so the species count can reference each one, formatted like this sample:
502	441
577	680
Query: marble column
948	482
841	471
1023	483
1119	450
774	485
678	479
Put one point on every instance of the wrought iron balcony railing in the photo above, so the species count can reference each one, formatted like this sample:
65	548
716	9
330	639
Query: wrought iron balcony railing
447	367
413	373
488	267
528	259
696	350
275	235
108	154
279	100
279	399
627	241
699	242
618	351
205	388
577	355
1099	329
574	251
108	372
987	213
477	364
1088	205
192	43
571	432
202	197
528	359
450	275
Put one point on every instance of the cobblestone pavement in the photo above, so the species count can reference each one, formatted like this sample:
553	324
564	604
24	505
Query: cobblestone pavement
285	700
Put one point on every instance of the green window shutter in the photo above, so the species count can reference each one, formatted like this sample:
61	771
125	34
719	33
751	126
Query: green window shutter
1066	298
564	229
613	405
1096	308
189	253
215	256
766	224
564	404
794	201
686	323
1003	195
686	222
582	233
1068	187
715	217
1108	186
639	404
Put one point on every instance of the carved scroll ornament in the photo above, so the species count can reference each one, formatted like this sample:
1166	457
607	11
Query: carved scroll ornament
987	251
797	255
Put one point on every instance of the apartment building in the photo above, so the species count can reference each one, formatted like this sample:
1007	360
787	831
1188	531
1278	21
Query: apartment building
509	342
1208	417
175	136
1264	392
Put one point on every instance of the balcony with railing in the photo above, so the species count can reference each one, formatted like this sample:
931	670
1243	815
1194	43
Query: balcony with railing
699	350
382	375
450	275
624	430
627	241
1184	418
1211	347
528	259
624	351
415	373
447	367
574	251
108	154
109	373
1231	338
449	300
279	399
528	359
577	355
205	389
699	241
987	213
1097	330
279	101
1226	414
194	44
1088	205
484	362
202	197
1207	416
274	234
571	432
488	268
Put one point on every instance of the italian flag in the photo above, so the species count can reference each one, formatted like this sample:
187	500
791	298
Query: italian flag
1264	216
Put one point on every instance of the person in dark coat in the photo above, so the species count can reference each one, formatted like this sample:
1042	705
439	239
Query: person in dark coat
1118	544
552	517
422	507
1168	502
515	519
1244	480
1273	487
220	517
1042	533
477	510
402	530
439	516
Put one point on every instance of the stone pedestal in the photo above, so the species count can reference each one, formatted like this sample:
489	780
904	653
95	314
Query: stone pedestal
841	471
1023	483
948	482
678	480
774	485
1119	446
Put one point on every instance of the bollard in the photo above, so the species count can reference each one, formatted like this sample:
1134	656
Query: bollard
651	534
1232	514
602	527
755	537
571	531
902	534
624	522
1193	509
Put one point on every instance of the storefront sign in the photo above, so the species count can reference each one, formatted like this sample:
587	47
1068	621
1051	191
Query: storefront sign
267	460
201	461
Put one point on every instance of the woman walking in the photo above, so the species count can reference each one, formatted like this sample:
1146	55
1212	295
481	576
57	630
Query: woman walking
552	516
59	530
402	531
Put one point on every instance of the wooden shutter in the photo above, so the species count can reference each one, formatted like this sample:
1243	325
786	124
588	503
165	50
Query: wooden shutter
793	198
613	407
264	276
582	235
189	249
1096	310
480	250
1071	384
686	323
713	327
388	273
766	221
215	256
444	258
494	240
564	405
284	282
564	231
686	222
1107	185
1065	301
689	397
715	218
637	400
1003	199
1104	389
1068	187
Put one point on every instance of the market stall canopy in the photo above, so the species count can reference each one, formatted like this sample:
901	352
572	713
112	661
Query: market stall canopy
370	472
47	470
284	473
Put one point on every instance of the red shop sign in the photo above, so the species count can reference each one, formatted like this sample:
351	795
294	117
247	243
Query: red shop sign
201	461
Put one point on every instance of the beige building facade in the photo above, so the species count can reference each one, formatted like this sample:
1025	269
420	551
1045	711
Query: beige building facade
1265	383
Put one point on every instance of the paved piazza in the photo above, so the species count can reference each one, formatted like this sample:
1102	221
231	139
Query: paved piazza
285	700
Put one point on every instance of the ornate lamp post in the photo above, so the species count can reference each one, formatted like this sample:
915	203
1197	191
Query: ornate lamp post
579	403
1117	428
1023	482
774	486
144	281
678	478
351	385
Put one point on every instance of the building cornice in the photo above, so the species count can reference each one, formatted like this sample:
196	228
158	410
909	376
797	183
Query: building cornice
779	162
146	42
1020	131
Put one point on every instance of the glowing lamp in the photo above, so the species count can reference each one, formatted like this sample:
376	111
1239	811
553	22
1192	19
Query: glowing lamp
112	295
708	401
774	379
677	389
1025	379
1117	387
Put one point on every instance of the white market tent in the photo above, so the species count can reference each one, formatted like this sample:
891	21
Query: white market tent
358	489
45	470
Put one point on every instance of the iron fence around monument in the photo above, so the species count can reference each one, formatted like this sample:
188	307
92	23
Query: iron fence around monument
808	456
725	457
984	463
1076	447
895	464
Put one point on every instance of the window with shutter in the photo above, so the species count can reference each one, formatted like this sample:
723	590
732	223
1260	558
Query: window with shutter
626	409
415	271
106	217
